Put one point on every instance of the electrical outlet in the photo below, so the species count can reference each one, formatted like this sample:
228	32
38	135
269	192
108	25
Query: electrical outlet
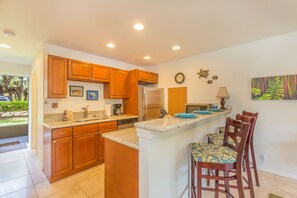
261	156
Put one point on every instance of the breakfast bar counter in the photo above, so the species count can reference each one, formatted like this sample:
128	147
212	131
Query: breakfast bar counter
164	153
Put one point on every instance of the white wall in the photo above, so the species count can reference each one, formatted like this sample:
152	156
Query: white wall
37	103
14	69
276	129
76	103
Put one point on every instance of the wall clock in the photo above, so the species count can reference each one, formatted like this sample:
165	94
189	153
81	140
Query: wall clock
179	78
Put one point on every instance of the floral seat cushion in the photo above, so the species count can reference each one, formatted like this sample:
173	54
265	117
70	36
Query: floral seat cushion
218	139
203	152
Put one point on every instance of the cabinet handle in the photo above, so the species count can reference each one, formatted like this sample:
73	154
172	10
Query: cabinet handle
62	133
65	96
54	141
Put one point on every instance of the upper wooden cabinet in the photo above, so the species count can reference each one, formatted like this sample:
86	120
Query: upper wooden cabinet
100	73
78	70
118	86
145	77
57	77
82	71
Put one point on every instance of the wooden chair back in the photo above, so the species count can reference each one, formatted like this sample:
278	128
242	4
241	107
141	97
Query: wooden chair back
238	131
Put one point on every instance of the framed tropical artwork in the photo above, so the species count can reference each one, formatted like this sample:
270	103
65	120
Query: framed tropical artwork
92	95
275	88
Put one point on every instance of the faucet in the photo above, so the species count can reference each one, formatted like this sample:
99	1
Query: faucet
86	111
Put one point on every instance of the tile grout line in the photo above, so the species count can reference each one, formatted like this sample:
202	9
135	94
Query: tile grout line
80	187
31	176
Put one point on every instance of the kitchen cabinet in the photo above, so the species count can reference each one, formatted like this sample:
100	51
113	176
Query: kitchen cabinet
73	149
57	77
100	73
85	146
104	128
82	71
58	153
78	70
145	77
118	86
137	77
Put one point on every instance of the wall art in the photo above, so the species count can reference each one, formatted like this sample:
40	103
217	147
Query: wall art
76	91
275	88
92	95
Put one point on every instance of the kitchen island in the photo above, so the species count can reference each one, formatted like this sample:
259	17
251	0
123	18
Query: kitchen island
163	154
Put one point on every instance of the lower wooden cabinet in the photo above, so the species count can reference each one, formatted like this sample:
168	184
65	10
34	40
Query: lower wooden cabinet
85	150
73	149
62	156
104	128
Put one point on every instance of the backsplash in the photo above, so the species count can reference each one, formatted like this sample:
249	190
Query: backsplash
76	103
77	115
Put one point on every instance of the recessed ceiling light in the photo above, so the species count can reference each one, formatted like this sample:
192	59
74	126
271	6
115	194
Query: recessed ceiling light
138	26
147	57
5	46
176	47
111	45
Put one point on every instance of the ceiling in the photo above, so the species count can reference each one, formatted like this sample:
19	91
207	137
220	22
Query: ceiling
198	26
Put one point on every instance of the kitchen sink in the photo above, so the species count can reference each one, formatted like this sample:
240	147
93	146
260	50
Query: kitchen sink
90	119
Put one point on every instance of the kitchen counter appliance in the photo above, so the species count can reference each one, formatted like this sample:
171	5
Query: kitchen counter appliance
151	101
190	107
126	123
117	110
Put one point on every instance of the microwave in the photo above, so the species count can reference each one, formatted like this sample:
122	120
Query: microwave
190	107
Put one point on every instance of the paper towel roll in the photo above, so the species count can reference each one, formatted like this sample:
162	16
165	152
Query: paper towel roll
108	110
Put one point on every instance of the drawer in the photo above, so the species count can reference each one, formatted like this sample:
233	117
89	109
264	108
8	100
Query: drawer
60	133
85	129
108	126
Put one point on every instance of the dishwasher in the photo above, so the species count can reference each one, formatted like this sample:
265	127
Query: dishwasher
126	123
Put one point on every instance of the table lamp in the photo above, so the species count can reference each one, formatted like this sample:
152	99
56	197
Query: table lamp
223	93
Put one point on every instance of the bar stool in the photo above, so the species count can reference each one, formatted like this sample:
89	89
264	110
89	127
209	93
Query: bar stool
217	138
226	158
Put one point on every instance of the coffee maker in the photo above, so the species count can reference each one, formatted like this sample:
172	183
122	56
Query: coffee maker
117	110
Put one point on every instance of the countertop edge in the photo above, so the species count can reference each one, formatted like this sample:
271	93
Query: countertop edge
120	140
154	126
64	124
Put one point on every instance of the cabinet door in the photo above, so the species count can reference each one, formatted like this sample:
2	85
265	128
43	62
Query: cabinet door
85	150
119	84
104	128
143	76
100	73
153	78
57	77
78	70
61	156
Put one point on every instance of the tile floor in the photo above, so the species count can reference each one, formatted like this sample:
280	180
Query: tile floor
21	176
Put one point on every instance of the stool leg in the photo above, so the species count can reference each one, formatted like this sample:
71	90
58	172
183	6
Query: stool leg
208	174
193	178
254	164
199	181
216	184
249	174
227	189
239	183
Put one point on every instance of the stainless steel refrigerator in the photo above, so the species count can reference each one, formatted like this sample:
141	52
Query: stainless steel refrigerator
150	101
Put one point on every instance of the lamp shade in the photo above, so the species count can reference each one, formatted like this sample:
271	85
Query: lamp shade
223	93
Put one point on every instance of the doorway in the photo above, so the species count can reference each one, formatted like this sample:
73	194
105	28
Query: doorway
14	100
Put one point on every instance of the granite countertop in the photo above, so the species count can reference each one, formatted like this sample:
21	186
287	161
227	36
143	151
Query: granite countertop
126	137
71	123
169	123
